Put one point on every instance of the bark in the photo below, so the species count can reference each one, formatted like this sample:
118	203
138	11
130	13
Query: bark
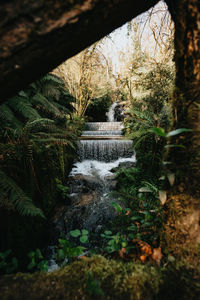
186	102
37	36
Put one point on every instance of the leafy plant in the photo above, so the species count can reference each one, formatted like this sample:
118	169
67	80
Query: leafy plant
113	242
8	264
67	250
37	261
83	234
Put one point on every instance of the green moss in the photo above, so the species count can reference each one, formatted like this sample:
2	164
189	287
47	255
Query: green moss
116	279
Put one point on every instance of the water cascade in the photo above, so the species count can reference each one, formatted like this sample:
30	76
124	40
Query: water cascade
102	148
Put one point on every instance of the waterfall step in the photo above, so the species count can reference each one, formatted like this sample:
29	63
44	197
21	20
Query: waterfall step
107	126
101	132
102	137
104	150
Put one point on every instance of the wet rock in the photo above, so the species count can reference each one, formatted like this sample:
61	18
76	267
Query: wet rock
127	164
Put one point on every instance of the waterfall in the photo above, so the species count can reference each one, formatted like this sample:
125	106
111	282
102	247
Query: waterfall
111	113
102	148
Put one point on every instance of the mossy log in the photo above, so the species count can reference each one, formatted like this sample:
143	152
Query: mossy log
37	36
99	278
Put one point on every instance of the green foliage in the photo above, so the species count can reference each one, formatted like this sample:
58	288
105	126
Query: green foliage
13	197
83	234
38	136
61	188
8	264
37	261
113	242
31	122
149	111
67	250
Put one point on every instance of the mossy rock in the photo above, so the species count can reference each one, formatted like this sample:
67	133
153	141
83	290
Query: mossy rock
100	278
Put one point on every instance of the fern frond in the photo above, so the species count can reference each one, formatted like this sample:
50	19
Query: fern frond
11	195
37	125
52	78
43	104
23	106
8	118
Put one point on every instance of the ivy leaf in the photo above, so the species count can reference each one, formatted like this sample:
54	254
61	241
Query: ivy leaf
75	233
83	238
178	131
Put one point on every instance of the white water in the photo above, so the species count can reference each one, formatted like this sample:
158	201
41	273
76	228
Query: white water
104	150
98	168
111	113
101	132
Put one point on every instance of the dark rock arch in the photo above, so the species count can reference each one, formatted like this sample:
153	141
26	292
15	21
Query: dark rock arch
37	36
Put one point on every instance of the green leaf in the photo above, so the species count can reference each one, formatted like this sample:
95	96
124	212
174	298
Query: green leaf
84	231
178	131
31	265
38	254
75	233
132	227
175	146
117	207
83	238
145	189
124	244
61	254
158	131
108	232
77	251
135	218
31	254
43	265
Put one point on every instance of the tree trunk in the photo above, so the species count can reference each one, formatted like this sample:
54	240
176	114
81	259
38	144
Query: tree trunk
37	36
186	102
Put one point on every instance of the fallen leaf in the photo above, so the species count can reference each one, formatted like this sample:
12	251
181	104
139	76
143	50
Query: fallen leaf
157	255
122	252
143	258
128	212
83	257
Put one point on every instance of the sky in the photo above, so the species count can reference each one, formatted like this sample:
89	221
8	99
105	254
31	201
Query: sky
119	41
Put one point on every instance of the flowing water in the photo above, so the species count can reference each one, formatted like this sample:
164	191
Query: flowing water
101	149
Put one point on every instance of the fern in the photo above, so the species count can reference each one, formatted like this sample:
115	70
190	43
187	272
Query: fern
13	197
45	105
23	106
8	118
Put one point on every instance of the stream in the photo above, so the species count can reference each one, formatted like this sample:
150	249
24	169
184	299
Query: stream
102	149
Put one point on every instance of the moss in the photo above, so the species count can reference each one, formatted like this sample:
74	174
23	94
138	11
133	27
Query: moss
182	229
117	280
